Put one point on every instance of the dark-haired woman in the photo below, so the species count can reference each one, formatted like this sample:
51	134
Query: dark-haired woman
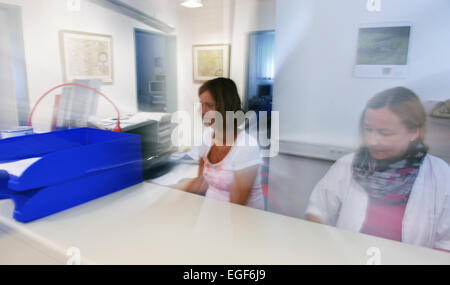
229	170
391	187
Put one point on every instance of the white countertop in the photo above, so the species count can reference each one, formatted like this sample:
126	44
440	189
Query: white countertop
152	224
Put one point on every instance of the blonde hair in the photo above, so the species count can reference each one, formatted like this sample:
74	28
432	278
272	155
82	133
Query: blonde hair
404	103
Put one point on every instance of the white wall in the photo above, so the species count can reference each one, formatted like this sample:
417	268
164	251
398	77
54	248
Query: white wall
210	24
12	60
42	21
219	22
8	108
249	16
225	22
318	98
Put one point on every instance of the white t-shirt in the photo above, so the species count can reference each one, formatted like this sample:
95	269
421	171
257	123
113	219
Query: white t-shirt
338	200
244	153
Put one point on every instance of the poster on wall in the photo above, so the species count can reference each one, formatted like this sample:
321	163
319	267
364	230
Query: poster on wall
383	50
211	61
86	56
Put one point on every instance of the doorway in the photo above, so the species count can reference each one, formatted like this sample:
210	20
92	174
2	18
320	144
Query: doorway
260	71
155	71
260	76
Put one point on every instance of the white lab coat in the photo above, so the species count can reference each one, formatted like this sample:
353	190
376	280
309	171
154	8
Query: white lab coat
340	201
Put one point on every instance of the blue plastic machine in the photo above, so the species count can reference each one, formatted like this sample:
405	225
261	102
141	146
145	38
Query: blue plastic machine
75	166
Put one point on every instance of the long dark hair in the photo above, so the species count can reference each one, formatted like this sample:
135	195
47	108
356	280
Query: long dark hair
225	93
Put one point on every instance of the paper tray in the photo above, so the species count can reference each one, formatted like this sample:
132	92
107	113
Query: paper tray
77	165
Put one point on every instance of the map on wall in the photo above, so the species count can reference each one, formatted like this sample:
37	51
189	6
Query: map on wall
86	56
211	61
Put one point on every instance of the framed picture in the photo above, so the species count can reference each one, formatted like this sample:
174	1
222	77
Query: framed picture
383	50
86	56
211	61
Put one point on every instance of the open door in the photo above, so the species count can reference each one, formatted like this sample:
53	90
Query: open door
156	72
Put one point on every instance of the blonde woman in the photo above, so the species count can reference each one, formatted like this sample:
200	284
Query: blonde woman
391	187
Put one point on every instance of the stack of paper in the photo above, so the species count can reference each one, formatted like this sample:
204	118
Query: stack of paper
17	168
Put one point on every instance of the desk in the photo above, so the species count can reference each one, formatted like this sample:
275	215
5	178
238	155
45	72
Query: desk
152	224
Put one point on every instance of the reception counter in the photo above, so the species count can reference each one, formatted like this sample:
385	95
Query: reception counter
152	224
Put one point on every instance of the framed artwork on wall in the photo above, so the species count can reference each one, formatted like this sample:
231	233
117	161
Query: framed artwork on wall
86	56
210	61
383	50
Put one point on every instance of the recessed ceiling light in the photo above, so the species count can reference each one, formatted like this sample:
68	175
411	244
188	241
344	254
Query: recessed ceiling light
192	3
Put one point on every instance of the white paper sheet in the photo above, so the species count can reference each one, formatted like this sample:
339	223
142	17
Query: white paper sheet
145	116
17	168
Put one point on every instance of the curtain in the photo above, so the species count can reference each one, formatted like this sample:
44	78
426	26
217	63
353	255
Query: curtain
265	55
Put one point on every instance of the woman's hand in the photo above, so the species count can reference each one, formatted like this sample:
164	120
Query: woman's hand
314	219
196	185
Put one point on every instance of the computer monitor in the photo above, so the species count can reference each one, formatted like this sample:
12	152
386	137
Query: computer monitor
264	90
156	87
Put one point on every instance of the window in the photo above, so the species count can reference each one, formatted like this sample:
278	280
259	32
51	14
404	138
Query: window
260	71
14	108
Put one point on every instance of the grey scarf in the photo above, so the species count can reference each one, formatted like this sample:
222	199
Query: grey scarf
390	179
